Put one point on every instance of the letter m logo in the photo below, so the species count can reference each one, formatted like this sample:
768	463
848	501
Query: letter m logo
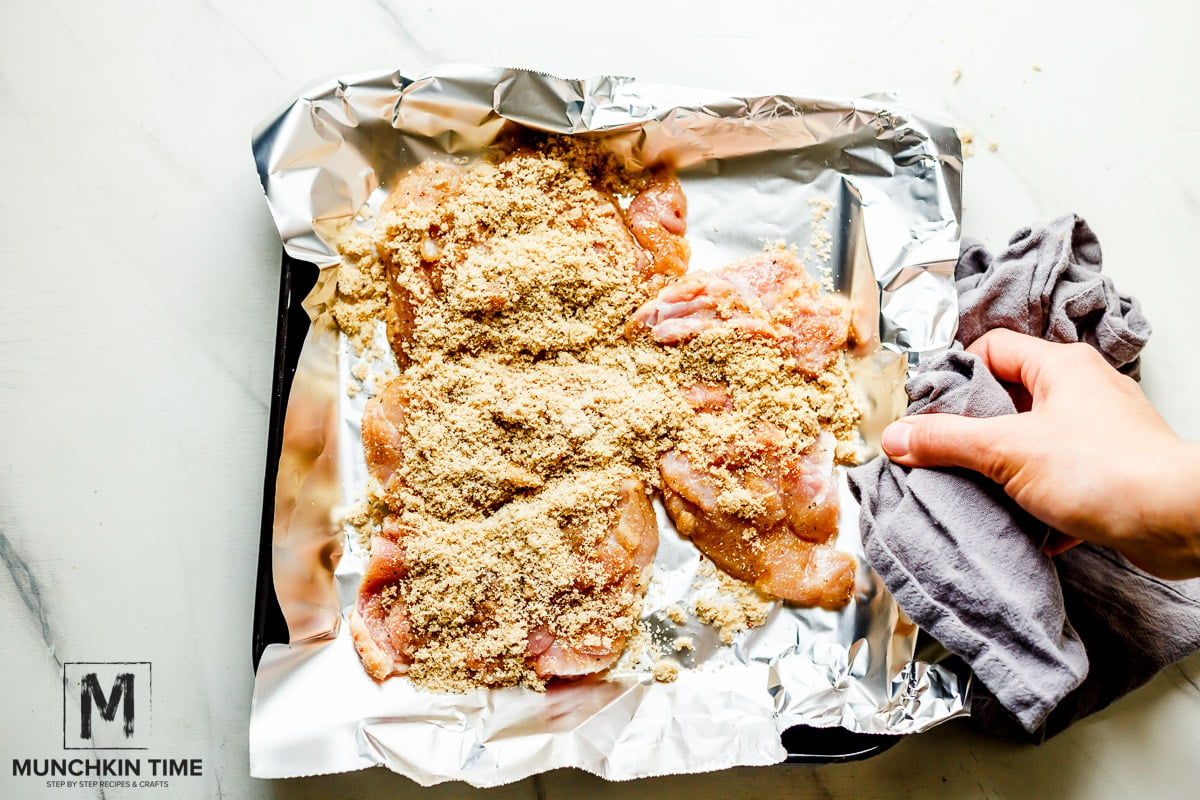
106	705
92	693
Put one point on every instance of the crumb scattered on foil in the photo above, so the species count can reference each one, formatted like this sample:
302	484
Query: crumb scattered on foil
666	671
820	246
967	137
729	605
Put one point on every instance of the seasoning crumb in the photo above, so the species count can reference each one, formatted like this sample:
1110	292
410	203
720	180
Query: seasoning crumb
682	643
822	239
992	147
676	614
666	671
957	76
636	648
361	518
1037	68
731	606
967	137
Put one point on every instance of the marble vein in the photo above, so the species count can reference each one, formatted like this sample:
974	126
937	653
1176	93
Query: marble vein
31	597
246	40
29	592
402	27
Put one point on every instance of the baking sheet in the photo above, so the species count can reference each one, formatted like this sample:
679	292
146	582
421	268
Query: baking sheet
752	169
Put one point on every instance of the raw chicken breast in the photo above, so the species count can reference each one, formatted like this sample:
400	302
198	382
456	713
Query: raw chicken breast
767	295
625	555
379	625
767	515
383	431
658	219
782	548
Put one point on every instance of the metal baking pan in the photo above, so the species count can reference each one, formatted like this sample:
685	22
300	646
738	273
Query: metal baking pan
804	744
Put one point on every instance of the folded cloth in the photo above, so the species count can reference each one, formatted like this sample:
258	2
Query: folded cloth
1047	283
1050	640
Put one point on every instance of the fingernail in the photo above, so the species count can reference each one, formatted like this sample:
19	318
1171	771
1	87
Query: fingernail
895	438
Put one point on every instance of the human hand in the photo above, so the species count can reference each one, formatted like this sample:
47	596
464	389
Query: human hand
1087	454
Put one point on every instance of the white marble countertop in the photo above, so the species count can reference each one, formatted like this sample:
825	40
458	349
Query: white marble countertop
141	276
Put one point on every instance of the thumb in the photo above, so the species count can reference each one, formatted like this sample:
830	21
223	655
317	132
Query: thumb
950	440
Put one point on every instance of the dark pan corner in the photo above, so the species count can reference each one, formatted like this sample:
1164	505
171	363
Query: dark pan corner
808	745
296	280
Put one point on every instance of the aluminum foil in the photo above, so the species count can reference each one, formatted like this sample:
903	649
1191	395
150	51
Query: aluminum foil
870	194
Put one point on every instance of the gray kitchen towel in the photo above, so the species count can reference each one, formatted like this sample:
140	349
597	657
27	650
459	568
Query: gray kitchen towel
1047	283
1050	640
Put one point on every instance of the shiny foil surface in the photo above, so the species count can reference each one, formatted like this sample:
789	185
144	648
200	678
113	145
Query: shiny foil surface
867	192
